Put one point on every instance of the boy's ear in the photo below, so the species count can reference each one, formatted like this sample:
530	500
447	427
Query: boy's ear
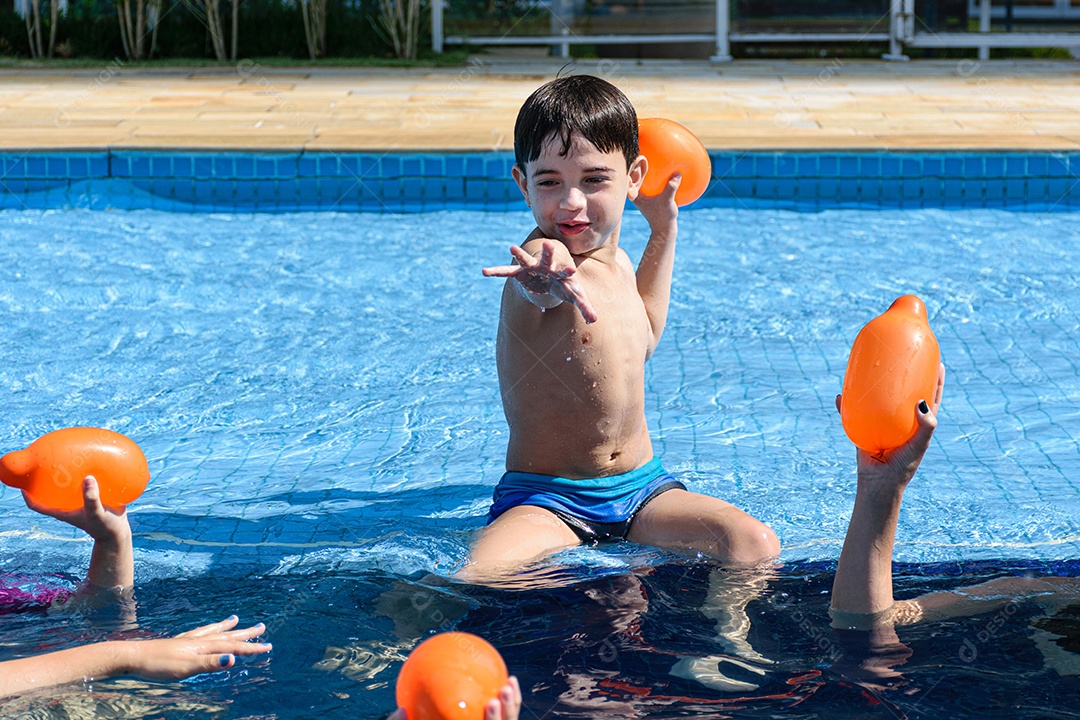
522	181
638	168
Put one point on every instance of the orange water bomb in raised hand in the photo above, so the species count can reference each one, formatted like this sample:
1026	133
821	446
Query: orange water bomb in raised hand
670	148
893	365
51	470
450	676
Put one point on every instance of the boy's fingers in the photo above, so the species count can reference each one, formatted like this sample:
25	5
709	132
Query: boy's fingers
247	633
515	686
501	271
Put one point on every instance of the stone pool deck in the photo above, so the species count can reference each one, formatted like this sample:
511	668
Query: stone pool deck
742	105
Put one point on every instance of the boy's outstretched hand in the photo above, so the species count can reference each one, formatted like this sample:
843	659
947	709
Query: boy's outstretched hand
660	211
551	273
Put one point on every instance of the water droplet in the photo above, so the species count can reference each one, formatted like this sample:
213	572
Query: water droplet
567	358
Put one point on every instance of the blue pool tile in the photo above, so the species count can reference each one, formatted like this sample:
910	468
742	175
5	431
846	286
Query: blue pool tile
849	189
389	166
1037	166
496	167
266	189
162	188
161	166
1016	166
807	165
35	166
994	166
390	190
1037	189
307	166
785	166
994	191
973	167
785	188
434	166
56	166
183	166
1057	166
1057	188
307	190
15	168
1015	189
475	189
140	166
911	188
806	188
455	188
932	191
873	189
204	166
245	167
79	166
912	167
933	167
265	168
454	166
245	192
954	191
744	166
722	165
721	188
954	168
744	187
369	166
828	166
434	188
974	193
412	166
765	166
827	187
870	166
849	166
223	166
474	166
765	188
413	188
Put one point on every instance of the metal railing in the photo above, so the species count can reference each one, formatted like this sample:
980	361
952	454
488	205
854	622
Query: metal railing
902	31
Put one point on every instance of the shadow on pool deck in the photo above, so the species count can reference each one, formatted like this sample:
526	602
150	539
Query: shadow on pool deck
746	105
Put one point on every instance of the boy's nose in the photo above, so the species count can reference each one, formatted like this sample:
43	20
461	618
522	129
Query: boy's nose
573	198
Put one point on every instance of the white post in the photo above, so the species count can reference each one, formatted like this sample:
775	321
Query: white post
436	26
723	29
899	15
560	9
984	27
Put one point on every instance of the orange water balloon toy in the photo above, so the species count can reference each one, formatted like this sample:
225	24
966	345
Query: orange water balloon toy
51	470
670	148
450	676
893	365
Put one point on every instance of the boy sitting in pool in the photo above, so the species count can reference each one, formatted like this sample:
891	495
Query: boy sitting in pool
577	325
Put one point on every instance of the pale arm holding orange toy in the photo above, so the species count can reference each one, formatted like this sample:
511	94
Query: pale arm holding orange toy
112	562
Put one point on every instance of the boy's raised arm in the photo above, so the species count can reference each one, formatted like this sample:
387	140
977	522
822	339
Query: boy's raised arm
654	269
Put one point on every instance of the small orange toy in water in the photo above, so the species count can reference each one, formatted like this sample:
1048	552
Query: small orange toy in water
893	365
450	676
670	148
51	470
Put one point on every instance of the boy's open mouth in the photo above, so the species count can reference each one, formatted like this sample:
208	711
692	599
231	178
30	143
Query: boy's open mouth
571	228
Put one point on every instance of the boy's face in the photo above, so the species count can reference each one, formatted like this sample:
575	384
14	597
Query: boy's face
578	199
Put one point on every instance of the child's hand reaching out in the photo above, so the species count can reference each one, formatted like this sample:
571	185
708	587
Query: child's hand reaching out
549	274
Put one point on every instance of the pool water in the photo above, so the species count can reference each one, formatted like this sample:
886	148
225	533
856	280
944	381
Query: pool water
316	395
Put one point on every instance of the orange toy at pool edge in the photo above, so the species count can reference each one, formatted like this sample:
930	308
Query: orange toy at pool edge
669	147
450	676
51	470
893	365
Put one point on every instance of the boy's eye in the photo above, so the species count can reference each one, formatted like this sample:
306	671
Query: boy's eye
546	183
597	179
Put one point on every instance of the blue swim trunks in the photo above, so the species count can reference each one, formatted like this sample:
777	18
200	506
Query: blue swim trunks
595	508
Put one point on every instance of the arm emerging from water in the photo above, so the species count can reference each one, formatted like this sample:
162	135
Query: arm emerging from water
210	648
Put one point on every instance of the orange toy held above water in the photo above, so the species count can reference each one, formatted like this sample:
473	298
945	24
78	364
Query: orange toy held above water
671	148
450	676
51	470
893	365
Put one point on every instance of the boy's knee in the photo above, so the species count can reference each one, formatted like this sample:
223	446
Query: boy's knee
751	541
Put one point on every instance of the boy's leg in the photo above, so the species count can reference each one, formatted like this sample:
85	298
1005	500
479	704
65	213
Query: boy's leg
518	536
679	519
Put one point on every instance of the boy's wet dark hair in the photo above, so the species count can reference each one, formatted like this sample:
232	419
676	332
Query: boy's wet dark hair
577	104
